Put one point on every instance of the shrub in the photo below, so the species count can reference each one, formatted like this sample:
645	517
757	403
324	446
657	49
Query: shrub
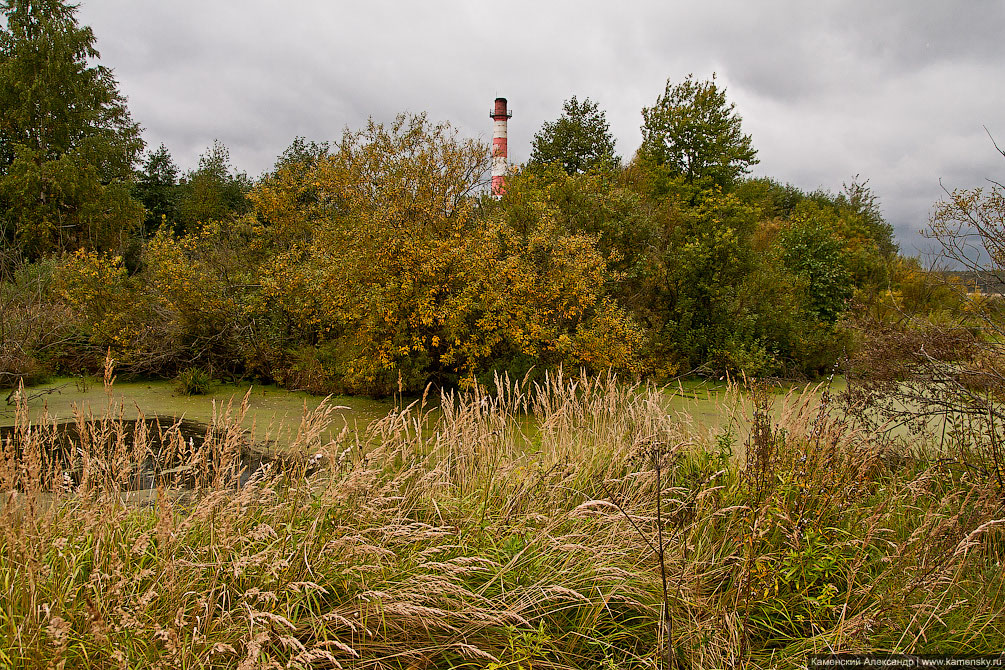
193	381
35	332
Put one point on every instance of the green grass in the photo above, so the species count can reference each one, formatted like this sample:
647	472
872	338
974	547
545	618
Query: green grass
465	537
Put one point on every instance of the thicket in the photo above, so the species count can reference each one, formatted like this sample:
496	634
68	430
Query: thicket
379	267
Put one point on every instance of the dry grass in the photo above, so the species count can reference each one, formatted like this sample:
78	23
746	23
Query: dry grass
516	527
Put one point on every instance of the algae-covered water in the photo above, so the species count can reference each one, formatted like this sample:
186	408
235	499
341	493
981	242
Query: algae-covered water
273	413
716	406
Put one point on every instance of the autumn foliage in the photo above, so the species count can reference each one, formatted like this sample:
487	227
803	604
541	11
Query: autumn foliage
388	265
378	265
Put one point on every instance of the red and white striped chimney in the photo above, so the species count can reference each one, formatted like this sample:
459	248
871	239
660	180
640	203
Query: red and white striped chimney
500	115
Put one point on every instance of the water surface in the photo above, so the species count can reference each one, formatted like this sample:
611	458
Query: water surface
273	413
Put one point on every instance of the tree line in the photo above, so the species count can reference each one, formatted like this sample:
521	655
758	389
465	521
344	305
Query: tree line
377	263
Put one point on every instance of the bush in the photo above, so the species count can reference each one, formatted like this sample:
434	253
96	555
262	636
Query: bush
35	332
193	381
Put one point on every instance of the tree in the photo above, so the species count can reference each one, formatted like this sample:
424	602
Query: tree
213	192
812	253
302	154
580	140
67	142
157	188
698	257
858	197
364	270
288	201
694	133
389	273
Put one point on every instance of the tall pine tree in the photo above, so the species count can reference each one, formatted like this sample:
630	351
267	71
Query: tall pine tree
67	142
157	188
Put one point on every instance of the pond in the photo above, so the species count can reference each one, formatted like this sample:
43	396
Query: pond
136	455
274	413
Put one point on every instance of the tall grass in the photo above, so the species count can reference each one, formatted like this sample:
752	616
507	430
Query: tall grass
524	526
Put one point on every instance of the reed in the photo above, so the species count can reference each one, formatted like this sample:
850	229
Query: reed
562	524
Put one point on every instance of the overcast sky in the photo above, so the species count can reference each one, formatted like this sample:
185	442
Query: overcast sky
898	92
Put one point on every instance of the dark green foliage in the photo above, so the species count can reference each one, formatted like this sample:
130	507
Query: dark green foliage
302	154
752	280
860	199
67	142
810	252
213	192
157	189
701	260
371	266
694	133
579	141
193	381
852	218
774	200
290	185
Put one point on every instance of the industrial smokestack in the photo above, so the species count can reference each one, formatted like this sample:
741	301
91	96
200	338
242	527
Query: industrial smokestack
500	115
